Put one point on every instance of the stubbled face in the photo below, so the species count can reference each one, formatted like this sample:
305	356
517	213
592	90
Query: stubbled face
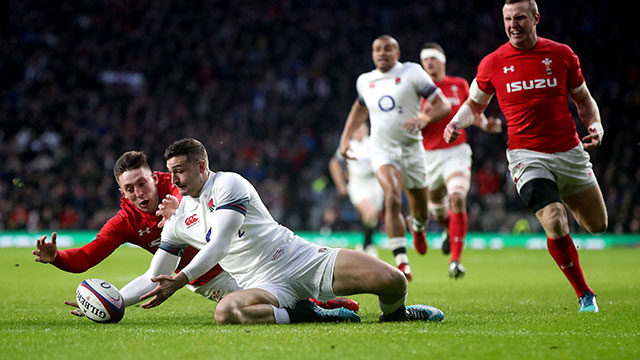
433	67
385	54
520	25
187	175
141	188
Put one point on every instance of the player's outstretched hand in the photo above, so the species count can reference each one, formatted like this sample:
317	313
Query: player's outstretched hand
75	311
166	208
413	126
167	285
593	140
45	252
451	132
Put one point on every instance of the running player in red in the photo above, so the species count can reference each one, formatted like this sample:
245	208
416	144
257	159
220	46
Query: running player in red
532	78
139	222
449	164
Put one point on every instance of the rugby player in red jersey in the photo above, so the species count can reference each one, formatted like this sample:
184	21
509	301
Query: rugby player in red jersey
139	222
532	78
449	164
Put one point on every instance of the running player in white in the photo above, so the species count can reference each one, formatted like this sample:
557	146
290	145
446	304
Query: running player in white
222	215
359	182
390	96
449	165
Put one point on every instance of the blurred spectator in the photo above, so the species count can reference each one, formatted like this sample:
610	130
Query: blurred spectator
266	86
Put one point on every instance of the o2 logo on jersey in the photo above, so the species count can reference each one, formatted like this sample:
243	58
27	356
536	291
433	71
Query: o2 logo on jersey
191	220
386	103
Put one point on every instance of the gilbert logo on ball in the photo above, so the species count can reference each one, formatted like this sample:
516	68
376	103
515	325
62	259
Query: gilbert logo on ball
100	301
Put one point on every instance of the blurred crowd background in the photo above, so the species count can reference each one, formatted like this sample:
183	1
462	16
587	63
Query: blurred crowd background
266	86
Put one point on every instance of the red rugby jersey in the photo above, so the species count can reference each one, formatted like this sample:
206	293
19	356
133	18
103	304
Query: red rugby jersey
129	225
456	89
532	87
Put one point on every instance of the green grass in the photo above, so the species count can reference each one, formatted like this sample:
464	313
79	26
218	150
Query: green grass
513	304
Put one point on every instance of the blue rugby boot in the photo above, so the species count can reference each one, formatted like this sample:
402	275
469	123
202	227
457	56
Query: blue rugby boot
588	302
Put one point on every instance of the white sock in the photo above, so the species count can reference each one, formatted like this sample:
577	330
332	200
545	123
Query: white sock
397	242
402	258
389	308
281	315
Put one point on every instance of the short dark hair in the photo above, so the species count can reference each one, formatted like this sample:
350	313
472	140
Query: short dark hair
191	148
533	6
388	38
129	161
433	45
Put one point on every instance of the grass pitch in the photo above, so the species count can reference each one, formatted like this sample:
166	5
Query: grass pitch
513	304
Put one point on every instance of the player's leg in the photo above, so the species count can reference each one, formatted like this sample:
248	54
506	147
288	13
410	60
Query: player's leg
392	183
458	184
369	221
356	273
542	196
251	306
419	218
589	210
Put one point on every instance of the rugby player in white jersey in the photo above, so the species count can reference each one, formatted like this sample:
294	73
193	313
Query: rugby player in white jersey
359	182
222	215
390	96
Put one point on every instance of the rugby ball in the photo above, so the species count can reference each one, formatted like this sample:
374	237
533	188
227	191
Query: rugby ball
100	301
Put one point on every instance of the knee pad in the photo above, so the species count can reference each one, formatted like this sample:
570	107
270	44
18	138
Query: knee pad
539	193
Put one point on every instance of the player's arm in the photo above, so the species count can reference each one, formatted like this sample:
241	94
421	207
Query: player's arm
80	259
336	169
489	124
163	263
473	107
225	224
357	116
590	115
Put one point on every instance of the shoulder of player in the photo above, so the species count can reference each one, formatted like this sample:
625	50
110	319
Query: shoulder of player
454	80
227	177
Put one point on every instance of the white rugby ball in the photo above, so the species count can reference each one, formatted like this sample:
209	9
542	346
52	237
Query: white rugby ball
100	301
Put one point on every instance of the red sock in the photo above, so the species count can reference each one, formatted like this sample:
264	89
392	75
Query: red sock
457	233
565	254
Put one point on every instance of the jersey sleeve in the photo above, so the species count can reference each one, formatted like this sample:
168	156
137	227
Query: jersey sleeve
108	239
574	71
358	90
423	83
169	240
233	192
484	75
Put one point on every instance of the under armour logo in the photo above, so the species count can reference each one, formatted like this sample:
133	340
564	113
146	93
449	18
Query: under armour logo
568	266
145	231
507	69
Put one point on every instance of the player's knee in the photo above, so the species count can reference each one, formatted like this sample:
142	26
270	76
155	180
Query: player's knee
555	219
227	312
393	200
458	201
395	282
598	226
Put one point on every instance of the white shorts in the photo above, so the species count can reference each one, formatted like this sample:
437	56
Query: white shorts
408	159
308	274
368	188
570	170
441	163
217	287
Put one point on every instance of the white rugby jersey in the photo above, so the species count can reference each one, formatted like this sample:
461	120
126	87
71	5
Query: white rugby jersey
257	249
361	151
394	97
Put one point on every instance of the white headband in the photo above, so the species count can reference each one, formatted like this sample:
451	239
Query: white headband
433	53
